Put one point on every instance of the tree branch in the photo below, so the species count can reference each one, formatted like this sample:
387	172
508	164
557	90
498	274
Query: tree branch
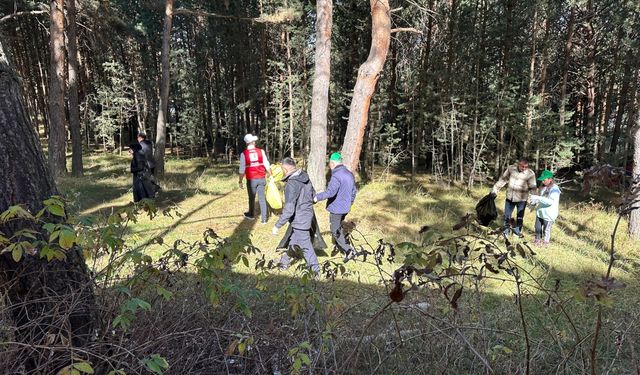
23	13
406	29
282	16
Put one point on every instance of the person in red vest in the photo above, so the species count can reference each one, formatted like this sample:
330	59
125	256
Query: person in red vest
255	166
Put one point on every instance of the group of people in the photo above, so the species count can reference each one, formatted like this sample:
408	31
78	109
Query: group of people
521	182
143	167
299	198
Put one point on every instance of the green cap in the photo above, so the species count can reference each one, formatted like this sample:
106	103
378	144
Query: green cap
336	157
545	174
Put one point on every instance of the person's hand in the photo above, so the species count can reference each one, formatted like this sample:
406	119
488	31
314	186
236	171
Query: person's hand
240	184
492	194
315	199
275	230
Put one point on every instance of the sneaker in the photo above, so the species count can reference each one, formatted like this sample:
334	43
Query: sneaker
248	217
537	242
545	243
264	222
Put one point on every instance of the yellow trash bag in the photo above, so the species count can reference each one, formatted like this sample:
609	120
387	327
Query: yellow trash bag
274	198
277	172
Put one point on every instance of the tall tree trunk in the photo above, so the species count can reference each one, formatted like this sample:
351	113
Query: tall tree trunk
634	218
320	96
161	124
290	91
590	120
532	74
57	130
74	106
51	303
567	63
366	83
622	101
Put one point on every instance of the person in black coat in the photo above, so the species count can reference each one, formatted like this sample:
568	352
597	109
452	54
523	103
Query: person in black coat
147	150
141	188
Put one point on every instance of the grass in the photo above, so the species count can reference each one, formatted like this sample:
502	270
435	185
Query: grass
207	196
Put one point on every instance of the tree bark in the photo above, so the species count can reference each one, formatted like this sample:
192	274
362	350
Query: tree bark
51	303
320	96
532	73
368	74
161	124
57	130
74	106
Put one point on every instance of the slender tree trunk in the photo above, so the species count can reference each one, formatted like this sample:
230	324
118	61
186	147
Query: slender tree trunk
623	99
57	130
74	105
365	84
590	119
320	96
290	91
161	124
51	303
532	74
567	63
634	218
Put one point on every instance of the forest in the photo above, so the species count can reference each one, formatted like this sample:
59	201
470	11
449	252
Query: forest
427	103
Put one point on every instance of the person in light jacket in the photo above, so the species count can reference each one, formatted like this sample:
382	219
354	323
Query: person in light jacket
520	180
340	195
548	203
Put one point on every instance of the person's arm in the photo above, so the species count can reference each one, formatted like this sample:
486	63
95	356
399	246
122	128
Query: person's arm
290	199
554	197
241	171
532	182
504	179
332	190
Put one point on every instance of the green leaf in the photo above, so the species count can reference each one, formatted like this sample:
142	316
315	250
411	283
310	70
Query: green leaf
156	364
16	253
141	304
84	367
56	210
67	238
167	295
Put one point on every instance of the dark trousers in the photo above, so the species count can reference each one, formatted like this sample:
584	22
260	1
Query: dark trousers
509	206
253	187
302	238
335	224
543	230
141	188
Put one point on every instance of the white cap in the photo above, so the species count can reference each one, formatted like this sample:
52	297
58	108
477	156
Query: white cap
250	138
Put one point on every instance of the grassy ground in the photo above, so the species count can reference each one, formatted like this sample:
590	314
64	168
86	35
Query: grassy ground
207	196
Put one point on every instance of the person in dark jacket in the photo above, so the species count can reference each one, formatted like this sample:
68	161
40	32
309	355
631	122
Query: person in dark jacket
298	212
141	188
340	195
147	150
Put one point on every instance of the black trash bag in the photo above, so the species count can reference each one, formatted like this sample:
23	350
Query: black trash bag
486	209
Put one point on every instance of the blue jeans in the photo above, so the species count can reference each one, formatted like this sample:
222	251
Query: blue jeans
509	206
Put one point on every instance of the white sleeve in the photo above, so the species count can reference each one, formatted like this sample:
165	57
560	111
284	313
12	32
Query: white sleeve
242	164
265	161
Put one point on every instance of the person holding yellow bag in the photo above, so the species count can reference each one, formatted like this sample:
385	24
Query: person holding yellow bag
254	165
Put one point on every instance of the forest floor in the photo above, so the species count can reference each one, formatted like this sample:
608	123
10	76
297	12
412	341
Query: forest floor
393	209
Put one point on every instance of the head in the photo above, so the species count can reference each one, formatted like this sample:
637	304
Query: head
289	165
335	160
523	164
142	137
250	139
546	177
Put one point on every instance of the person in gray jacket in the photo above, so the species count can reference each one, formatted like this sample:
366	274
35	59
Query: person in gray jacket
298	212
340	195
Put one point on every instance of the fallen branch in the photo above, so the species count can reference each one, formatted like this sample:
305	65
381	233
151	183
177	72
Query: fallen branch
406	29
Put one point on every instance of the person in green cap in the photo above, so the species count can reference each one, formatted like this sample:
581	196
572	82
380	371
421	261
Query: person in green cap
548	207
340	195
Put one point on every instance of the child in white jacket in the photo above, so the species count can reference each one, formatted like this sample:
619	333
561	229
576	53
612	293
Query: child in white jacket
548	207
